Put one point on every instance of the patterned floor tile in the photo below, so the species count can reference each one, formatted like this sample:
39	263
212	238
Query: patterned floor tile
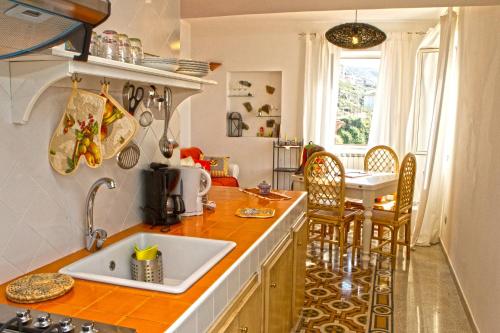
345	300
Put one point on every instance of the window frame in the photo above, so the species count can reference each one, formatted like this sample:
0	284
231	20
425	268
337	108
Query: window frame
417	100
356	54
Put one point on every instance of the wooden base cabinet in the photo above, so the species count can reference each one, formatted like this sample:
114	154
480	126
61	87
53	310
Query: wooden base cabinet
278	288
300	241
244	315
272	304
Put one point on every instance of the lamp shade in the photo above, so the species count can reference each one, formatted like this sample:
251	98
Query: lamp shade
355	35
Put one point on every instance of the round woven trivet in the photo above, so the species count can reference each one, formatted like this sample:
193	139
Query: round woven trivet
39	287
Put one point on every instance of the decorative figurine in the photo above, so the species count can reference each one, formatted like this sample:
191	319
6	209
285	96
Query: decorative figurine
245	83
248	106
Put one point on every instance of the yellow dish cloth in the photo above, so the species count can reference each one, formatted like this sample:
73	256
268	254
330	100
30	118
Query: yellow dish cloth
148	253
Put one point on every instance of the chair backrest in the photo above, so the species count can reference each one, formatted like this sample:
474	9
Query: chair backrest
381	159
324	177
406	185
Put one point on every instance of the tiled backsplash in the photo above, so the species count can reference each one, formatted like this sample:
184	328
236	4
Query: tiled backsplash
42	212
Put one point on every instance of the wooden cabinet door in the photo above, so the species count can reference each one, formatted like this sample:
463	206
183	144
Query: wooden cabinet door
300	240
244	314
250	316
278	289
233	326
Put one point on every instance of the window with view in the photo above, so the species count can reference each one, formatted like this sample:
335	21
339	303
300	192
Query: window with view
357	88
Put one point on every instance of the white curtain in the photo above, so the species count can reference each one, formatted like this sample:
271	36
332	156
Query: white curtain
321	77
394	91
437	170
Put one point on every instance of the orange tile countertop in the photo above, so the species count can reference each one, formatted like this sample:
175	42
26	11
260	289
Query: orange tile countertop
151	311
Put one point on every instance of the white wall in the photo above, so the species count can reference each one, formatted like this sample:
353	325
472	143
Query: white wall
255	44
244	51
42	212
184	109
471	235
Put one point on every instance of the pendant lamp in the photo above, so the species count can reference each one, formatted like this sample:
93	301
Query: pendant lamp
355	35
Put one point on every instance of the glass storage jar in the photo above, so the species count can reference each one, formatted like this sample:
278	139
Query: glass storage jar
109	45
136	50
124	53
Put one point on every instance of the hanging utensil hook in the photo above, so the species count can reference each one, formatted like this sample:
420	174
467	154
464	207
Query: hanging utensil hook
75	78
105	82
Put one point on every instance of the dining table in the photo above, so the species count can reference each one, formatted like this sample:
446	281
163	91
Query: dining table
364	186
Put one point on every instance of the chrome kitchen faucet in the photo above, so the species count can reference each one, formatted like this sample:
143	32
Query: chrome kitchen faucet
95	237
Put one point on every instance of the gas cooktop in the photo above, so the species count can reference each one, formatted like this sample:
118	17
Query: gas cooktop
13	319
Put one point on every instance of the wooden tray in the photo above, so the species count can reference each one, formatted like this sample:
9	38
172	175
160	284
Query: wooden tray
259	213
272	196
39	287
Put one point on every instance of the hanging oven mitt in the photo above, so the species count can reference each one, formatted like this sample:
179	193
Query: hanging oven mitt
77	135
118	126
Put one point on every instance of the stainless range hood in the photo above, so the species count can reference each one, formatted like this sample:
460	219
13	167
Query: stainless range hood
29	26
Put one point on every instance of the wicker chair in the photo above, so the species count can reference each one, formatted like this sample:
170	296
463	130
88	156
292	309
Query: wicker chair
400	216
381	159
324	177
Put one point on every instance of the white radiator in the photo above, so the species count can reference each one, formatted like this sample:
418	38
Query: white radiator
352	160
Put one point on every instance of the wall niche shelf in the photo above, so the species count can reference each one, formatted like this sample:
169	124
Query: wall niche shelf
256	95
248	95
31	75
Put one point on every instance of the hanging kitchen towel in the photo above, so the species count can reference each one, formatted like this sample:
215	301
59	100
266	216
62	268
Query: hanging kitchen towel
118	126
77	134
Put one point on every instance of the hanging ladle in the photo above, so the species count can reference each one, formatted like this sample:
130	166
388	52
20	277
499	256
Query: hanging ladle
166	145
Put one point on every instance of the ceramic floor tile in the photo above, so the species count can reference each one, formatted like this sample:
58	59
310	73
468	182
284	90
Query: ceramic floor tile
426	298
340	300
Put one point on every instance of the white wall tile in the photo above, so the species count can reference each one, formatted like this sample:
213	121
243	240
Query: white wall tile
245	270
254	261
205	314
220	298
7	226
189	325
233	284
45	255
22	247
42	212
19	189
7	270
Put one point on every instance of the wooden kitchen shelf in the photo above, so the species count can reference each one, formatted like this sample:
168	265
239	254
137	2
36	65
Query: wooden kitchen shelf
31	75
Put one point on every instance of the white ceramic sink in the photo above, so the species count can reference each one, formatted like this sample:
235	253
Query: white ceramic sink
185	260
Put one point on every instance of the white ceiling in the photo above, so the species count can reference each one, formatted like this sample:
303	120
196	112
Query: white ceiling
405	19
214	8
366	15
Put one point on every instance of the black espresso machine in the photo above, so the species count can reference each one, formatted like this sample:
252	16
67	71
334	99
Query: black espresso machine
161	206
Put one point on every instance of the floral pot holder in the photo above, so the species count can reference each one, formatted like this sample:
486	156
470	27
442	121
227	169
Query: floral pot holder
77	135
118	126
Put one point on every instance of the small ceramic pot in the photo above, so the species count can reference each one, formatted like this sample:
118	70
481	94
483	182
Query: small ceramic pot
264	188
